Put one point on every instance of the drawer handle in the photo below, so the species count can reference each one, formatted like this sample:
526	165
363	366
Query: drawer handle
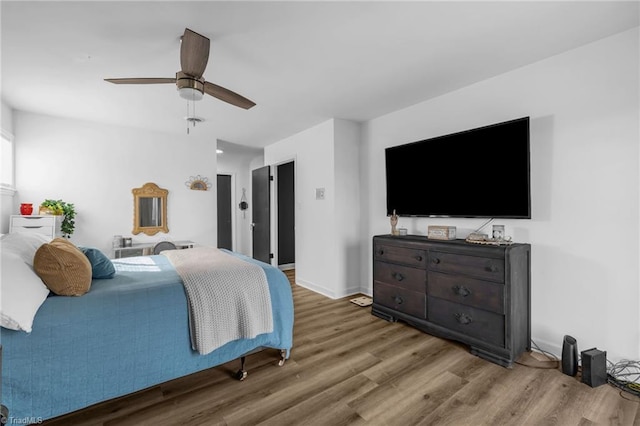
32	227
419	258
461	290
380	252
398	276
492	268
463	319
435	260
398	300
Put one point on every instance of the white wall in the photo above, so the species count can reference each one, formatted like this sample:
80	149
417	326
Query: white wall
313	154
96	166
6	117
7	204
347	205
584	231
326	246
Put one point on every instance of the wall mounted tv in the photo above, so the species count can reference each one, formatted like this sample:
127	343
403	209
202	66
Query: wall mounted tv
482	172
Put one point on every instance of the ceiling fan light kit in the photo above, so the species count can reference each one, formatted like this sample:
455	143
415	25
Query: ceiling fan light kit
189	88
190	94
194	55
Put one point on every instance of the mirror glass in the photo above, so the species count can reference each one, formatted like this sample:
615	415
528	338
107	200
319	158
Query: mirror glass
150	209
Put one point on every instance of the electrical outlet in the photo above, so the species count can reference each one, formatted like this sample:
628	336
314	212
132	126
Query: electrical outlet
319	193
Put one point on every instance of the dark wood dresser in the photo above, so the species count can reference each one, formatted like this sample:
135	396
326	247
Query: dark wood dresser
475	294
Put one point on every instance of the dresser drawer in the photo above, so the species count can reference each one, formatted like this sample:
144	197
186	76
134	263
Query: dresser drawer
400	299
467	291
480	267
476	323
46	225
33	221
402	276
46	230
402	255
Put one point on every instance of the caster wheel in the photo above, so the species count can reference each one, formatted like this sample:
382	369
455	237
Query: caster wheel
241	375
4	414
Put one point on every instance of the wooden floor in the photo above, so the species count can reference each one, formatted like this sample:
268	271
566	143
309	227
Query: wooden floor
349	367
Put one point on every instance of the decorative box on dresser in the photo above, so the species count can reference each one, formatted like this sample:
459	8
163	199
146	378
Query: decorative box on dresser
48	225
475	294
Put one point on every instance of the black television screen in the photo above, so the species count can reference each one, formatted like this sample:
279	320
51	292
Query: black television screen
482	172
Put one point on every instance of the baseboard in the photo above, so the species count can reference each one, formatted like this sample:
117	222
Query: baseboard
287	266
552	348
329	293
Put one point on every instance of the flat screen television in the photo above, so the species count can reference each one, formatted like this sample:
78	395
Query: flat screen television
482	172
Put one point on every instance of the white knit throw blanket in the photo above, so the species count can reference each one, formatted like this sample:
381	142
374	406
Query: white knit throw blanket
228	297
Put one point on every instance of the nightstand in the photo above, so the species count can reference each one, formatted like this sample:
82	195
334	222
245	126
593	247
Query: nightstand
39	224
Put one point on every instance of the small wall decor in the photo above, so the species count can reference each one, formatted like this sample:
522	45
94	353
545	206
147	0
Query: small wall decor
150	209
198	183
243	203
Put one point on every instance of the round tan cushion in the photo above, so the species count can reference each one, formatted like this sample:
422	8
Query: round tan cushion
63	268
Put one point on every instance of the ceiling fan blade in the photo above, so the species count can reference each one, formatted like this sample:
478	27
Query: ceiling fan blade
227	95
194	53
140	80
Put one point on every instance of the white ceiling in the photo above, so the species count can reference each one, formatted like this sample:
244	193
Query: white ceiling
301	62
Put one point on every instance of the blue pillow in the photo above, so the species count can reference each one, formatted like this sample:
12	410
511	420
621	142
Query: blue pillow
101	266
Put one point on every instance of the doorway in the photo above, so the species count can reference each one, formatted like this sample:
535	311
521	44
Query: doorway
285	201
225	229
261	214
282	229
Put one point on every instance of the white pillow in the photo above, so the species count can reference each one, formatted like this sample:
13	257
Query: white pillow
23	244
22	293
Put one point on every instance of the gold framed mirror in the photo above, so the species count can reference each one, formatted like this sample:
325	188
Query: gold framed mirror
149	209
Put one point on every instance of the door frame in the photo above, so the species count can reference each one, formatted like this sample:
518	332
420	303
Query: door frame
274	210
254	209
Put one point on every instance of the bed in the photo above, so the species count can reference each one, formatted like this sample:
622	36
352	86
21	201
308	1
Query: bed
125	334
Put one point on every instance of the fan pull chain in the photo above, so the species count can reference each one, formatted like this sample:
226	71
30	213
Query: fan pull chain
191	116
194	113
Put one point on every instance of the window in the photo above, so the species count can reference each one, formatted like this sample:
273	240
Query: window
7	183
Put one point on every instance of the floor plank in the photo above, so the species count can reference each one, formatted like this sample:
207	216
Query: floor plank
348	367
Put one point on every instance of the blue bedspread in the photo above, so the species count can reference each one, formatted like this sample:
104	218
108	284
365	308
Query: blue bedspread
128	333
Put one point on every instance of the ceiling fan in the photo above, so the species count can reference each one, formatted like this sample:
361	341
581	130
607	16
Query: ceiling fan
194	54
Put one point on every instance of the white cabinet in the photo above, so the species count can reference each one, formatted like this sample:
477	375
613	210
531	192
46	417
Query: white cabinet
45	224
146	249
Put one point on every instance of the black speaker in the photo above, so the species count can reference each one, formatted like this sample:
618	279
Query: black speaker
569	356
594	367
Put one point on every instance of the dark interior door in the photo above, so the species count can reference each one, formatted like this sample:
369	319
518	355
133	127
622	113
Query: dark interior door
261	213
224	212
286	214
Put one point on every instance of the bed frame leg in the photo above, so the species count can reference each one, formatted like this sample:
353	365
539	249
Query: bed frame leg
242	373
283	357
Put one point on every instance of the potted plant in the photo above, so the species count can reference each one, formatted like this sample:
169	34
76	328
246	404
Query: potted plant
59	207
